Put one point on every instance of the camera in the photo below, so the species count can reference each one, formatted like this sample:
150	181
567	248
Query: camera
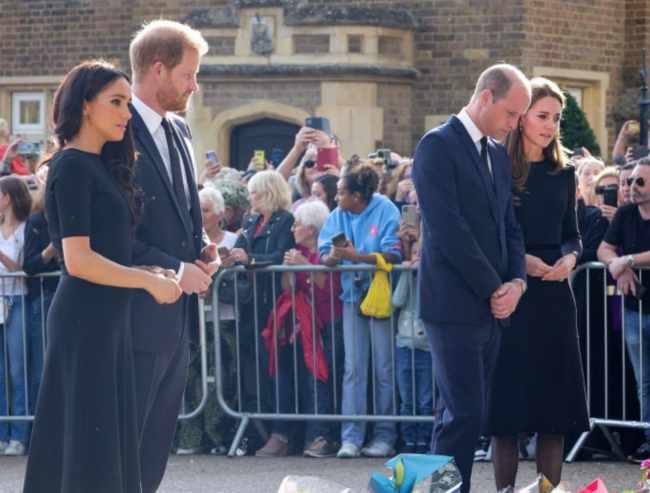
609	193
29	147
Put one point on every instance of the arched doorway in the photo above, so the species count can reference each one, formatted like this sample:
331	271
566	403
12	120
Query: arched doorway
265	134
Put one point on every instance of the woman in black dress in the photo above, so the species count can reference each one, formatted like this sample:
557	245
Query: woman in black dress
538	384
85	430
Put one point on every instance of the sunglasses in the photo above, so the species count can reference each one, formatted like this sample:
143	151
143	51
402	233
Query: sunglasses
310	164
640	181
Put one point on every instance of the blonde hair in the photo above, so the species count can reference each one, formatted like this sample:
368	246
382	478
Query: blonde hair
163	41
275	191
301	180
4	128
609	171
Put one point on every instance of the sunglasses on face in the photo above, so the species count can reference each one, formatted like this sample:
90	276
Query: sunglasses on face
310	164
640	181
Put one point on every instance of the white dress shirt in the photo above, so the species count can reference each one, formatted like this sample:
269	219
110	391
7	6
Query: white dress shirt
474	133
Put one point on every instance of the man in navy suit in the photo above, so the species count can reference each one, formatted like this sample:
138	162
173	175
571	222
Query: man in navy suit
165	58
472	266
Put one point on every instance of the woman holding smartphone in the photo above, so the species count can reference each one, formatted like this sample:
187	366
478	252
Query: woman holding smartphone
369	223
85	435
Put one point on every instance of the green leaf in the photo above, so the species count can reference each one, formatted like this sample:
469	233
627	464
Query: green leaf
399	474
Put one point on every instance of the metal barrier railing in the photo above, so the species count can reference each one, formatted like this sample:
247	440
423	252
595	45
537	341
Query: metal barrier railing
21	347
261	410
609	417
29	376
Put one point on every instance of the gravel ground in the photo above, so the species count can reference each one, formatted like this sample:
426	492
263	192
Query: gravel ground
217	474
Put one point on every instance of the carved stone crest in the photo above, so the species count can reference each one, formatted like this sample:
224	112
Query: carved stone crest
261	36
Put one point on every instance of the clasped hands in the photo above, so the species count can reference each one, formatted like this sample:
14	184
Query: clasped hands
625	277
197	276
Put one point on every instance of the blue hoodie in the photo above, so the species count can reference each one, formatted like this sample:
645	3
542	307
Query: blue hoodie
374	230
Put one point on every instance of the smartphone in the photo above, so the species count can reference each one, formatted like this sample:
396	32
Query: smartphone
29	147
640	290
277	155
639	152
261	162
409	214
610	197
212	156
319	123
339	239
578	152
223	251
329	155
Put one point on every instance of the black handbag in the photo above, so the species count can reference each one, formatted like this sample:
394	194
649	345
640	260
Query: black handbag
235	288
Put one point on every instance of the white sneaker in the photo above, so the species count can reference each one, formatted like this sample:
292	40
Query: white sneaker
189	451
348	451
16	448
379	449
3	447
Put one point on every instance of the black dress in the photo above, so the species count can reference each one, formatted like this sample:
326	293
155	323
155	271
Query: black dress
85	430
538	384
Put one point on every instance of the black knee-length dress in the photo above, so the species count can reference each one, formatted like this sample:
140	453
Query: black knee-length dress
85	430
538	385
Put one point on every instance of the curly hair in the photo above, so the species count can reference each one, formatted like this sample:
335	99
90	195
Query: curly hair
361	177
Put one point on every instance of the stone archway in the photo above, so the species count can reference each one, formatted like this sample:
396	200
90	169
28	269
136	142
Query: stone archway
223	125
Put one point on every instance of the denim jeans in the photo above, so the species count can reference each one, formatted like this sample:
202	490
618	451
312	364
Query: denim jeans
316	396
36	318
12	339
361	337
637	340
414	367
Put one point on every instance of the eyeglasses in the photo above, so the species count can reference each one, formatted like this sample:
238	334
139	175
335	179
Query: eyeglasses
310	164
640	181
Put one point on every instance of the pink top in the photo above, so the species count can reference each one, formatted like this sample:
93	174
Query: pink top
322	296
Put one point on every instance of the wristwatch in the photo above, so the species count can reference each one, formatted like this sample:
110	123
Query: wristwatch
629	261
524	286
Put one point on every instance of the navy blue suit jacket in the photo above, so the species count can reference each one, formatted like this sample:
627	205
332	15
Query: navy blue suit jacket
472	242
164	239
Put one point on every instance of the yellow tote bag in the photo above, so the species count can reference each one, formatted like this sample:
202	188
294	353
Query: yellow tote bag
377	302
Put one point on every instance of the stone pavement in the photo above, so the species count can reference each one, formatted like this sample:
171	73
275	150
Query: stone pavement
218	474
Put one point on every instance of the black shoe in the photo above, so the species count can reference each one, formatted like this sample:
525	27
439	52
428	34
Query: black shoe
482	447
641	454
409	448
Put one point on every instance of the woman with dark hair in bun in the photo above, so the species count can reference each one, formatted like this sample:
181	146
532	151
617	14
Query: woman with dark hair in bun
85	434
370	222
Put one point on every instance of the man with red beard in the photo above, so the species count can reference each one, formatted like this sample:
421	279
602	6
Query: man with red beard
165	58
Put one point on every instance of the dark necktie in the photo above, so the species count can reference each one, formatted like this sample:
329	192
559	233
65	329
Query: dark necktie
175	163
484	154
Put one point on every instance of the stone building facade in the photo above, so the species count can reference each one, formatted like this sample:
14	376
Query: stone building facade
383	71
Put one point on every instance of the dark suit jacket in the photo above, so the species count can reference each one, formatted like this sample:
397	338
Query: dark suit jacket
163	239
472	242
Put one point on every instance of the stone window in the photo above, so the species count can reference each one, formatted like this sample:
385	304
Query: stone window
311	43
28	112
390	46
355	43
223	46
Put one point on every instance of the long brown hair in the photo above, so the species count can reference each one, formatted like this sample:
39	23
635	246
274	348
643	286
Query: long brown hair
514	142
83	83
21	200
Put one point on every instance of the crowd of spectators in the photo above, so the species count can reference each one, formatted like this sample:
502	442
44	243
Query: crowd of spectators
342	363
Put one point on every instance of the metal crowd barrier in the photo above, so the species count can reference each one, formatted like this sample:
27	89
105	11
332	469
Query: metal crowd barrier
25	340
261	410
8	414
601	373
